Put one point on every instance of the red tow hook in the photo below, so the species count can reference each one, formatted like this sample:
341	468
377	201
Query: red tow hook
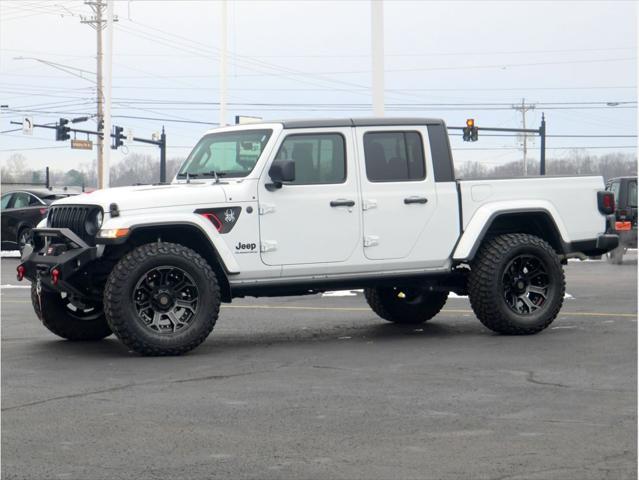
55	276
20	271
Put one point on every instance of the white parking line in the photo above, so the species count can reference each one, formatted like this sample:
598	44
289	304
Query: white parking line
2	287
354	293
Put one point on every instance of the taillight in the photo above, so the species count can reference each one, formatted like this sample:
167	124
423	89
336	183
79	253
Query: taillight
606	202
620	226
43	211
55	276
20	271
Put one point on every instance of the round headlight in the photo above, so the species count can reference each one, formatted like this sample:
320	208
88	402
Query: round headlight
93	222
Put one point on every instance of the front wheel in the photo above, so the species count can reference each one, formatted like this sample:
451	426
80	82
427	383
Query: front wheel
516	285
162	299
68	318
411	305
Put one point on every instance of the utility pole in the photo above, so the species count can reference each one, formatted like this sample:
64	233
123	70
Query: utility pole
108	57
98	23
523	108
223	48
377	56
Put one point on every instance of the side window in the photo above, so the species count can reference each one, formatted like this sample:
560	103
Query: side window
394	156
20	200
320	158
34	201
614	188
5	201
632	194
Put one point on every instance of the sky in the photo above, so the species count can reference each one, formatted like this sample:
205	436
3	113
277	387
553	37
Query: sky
303	59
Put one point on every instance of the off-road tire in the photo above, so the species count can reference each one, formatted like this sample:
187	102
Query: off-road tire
485	288
52	312
120	310
615	256
385	302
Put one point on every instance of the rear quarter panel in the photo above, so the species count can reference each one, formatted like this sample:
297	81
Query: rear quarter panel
571	201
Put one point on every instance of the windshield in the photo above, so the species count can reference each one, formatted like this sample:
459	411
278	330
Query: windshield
229	154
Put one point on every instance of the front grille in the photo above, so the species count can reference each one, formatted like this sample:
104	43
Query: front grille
72	217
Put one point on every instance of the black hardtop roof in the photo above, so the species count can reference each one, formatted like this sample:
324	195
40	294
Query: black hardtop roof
360	122
625	177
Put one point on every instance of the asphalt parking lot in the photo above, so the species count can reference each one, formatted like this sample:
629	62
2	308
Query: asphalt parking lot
319	387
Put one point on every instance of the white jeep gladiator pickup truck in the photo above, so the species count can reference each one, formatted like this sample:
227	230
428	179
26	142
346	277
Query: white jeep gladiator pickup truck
300	207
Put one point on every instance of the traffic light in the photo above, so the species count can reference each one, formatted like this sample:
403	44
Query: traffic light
62	131
117	140
471	132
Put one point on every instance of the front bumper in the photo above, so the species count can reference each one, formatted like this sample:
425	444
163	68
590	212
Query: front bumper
44	258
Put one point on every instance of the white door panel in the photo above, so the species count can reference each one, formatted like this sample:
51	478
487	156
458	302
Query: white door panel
312	223
396	213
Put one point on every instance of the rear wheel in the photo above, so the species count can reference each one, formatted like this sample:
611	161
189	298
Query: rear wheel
516	285
68	318
162	299
412	305
615	256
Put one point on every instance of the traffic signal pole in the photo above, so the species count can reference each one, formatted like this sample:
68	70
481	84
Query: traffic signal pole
63	133
471	133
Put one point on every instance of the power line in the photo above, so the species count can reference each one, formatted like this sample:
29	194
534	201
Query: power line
550	148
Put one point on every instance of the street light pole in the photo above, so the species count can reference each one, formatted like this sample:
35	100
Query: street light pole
223	48
377	56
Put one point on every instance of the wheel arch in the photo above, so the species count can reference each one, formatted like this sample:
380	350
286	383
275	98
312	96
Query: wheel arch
539	222
191	236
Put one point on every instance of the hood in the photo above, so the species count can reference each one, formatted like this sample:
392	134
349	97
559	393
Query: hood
150	196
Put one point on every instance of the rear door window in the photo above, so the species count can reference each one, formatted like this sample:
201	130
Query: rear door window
632	194
21	200
394	156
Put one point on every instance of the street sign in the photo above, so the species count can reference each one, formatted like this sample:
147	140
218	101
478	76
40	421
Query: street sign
82	144
27	126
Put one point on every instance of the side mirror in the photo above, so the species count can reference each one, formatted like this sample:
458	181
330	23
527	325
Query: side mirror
281	172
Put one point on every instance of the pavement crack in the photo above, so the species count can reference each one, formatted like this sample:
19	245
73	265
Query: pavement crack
218	377
130	385
530	377
72	395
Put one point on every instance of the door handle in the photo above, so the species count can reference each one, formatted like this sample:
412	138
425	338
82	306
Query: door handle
342	202
410	200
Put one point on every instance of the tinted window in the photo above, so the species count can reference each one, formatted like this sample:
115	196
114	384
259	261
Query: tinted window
5	200
319	158
614	188
632	194
34	201
394	156
21	200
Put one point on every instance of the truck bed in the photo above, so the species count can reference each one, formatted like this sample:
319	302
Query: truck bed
570	201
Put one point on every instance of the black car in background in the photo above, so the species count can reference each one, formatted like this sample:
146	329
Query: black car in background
624	222
21	211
